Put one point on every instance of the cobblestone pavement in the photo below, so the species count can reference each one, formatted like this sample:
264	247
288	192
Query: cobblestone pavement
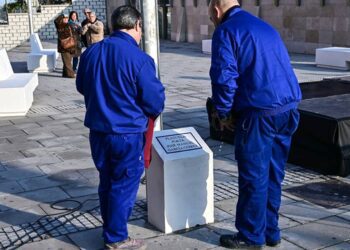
45	158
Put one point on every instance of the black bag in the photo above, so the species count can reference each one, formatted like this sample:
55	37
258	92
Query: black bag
215	133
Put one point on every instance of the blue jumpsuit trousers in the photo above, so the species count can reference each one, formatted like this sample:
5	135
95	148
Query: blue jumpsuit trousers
262	148
119	160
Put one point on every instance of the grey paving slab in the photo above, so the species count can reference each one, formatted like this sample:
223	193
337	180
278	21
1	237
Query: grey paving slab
4	141
70	131
60	243
88	202
41	182
89	240
12	217
63	140
303	212
80	188
19	173
220	215
345	216
37	160
10	187
67	165
32	198
75	154
41	136
141	229
89	173
49	129
206	235
229	206
319	234
222	176
30	125
221	150
176	242
224	227
9	148
285	222
11	156
341	246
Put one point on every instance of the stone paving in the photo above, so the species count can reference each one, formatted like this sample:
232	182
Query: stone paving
45	158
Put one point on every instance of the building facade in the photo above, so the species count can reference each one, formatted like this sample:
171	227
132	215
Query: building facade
304	25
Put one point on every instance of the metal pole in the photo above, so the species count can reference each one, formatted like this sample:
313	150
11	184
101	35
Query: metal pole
30	15
151	38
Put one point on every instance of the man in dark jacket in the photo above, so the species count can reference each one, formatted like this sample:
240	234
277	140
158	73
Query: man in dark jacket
64	32
121	92
251	74
87	12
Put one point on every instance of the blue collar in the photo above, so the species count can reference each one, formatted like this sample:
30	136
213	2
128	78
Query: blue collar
230	12
124	36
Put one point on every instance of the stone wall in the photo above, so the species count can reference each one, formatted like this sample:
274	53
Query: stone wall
303	28
17	29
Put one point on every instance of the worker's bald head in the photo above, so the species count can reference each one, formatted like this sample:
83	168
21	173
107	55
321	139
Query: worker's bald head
224	3
218	8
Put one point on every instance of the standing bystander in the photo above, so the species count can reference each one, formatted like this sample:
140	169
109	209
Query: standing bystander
66	44
93	30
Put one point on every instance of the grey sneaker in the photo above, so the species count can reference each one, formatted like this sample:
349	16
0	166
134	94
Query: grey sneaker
128	244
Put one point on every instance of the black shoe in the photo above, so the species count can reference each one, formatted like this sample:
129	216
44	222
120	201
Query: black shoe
233	242
273	243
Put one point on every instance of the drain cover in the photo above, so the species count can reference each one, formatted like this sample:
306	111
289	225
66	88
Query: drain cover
328	194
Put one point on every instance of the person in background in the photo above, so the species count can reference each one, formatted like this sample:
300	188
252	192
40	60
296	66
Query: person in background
93	30
65	33
74	23
87	12
251	74
121	93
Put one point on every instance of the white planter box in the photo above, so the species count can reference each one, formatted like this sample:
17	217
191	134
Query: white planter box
206	46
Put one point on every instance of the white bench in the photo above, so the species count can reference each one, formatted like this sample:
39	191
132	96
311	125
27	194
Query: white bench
16	90
206	46
39	59
333	57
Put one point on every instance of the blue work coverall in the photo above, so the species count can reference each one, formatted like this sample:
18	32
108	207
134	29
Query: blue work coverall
121	91
251	73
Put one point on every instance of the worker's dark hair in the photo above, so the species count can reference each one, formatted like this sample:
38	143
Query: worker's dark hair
125	17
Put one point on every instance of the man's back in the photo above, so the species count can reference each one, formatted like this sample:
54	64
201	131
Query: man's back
119	85
263	75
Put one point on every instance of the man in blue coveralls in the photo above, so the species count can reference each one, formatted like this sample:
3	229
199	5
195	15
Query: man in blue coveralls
121	92
251	74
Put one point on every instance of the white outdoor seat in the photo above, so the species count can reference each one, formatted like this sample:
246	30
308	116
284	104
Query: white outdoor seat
16	90
206	46
333	57
39	59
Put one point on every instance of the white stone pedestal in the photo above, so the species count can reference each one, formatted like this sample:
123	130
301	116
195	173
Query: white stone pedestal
206	46
180	182
333	57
